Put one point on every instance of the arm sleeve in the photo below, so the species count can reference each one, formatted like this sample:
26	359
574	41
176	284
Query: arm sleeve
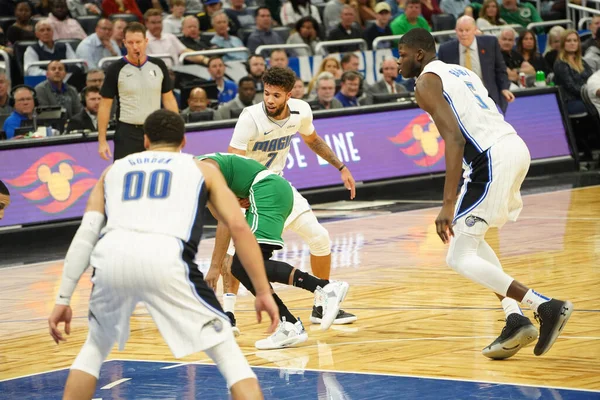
306	126
78	256
245	130
109	88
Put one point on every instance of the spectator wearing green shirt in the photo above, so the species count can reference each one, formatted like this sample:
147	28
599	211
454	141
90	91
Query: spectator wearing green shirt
522	14
410	19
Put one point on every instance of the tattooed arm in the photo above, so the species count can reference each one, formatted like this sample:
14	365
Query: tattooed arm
321	148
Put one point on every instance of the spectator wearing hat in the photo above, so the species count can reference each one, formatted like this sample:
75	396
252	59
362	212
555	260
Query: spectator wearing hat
381	27
211	7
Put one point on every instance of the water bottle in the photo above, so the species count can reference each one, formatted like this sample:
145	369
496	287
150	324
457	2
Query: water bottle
540	79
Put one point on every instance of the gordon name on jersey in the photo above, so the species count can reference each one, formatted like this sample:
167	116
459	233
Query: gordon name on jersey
267	140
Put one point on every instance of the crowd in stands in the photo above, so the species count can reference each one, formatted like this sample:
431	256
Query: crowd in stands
59	31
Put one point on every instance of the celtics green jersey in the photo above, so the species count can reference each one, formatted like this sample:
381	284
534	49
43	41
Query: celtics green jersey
239	171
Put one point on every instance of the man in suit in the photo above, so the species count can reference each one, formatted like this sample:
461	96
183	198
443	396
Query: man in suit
87	119
388	84
481	55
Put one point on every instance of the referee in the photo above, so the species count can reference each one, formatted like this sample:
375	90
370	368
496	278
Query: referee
138	83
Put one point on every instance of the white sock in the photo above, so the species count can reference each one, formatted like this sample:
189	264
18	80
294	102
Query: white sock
229	302
533	299
511	306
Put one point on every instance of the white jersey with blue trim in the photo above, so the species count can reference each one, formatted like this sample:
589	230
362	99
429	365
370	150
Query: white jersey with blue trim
479	120
267	140
156	192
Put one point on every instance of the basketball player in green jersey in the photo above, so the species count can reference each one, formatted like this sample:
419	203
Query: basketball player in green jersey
271	201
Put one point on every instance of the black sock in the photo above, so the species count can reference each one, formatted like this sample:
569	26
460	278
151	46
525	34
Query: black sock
306	281
283	310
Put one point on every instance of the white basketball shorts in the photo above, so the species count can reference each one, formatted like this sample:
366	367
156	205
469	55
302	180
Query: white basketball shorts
300	206
135	267
491	193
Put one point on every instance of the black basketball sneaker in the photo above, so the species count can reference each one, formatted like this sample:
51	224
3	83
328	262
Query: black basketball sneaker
342	318
516	334
552	316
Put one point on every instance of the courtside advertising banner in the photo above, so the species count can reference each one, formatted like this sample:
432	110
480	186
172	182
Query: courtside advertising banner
52	183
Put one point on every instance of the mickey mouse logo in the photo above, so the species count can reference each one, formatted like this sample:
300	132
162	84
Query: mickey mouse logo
421	141
54	182
58	182
428	138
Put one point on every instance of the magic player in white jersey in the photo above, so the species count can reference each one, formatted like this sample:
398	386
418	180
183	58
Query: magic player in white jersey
496	161
264	133
154	204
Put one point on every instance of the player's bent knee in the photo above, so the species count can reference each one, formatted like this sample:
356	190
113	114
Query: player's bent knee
231	362
320	243
93	353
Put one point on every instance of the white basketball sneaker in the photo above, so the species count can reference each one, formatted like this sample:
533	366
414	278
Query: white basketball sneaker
331	297
286	335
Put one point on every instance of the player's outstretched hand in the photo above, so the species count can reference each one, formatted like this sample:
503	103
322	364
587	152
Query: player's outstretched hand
443	223
212	277
61	313
508	95
265	302
348	180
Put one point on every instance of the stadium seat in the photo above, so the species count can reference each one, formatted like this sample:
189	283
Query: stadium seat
283	31
88	23
6	22
72	42
590	107
19	49
124	17
207	36
443	22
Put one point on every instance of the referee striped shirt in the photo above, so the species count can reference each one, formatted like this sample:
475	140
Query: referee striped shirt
137	89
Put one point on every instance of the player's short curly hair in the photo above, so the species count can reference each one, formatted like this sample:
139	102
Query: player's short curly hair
164	126
284	78
418	38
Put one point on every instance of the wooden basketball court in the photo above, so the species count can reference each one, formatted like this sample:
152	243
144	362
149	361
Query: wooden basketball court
416	316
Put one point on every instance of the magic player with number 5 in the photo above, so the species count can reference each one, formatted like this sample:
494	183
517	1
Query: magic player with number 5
264	133
496	161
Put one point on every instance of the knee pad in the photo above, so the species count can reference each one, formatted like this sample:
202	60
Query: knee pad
278	271
313	233
320	243
460	249
94	351
231	362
